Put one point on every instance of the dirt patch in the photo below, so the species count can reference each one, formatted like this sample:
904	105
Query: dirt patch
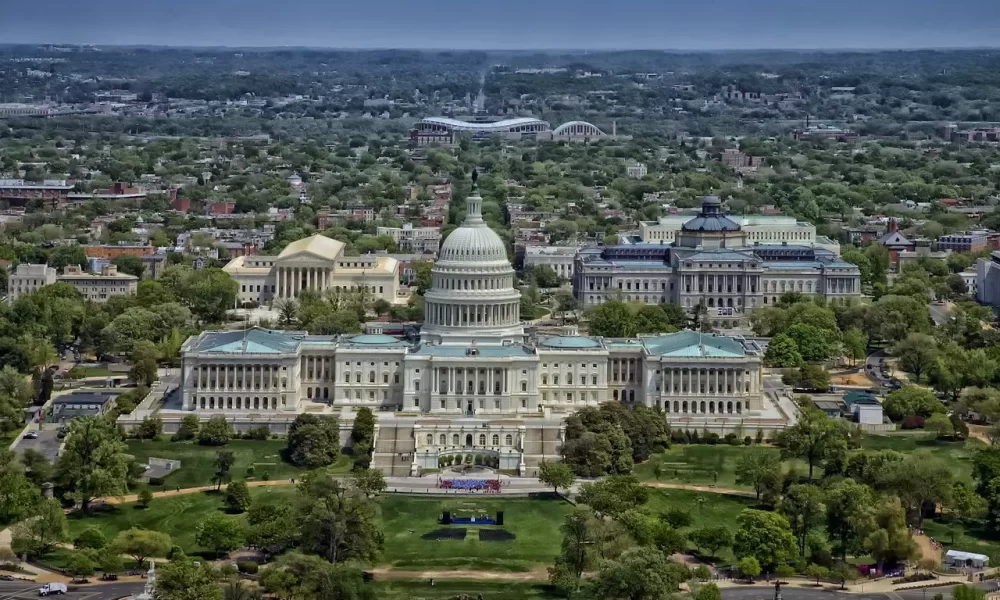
852	379
700	488
979	432
384	573
927	547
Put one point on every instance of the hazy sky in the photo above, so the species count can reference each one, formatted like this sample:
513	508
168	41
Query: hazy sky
508	24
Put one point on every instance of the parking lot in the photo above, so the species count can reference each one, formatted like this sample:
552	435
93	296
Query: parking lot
47	443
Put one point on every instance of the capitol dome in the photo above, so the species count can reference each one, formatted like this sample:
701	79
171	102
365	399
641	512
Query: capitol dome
472	297
474	240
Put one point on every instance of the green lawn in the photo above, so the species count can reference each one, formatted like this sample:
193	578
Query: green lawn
703	464
198	462
534	522
967	540
173	515
707	509
82	372
449	590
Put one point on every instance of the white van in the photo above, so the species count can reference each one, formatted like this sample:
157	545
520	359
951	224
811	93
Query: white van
52	589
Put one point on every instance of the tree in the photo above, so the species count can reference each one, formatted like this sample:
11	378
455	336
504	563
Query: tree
336	522
911	400
579	552
766	536
708	591
269	526
219	533
782	352
238	497
90	538
369	482
843	573
224	460
639	574
918	480
815	438
810	377
754	466
300	576
216	432
814	343
94	461
144	357
817	572
19	495
613	495
209	293
612	319
855	344
188	429
130	265
941	425
890	541
965	502
110	562
362	437
80	565
967	592
313	441
187	580
803	506
849	515
749	567
41	531
712	538
916	354
145	497
141	544
556	474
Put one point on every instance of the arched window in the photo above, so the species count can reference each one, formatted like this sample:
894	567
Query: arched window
729	407
702	407
614	394
569	379
430	439
385	378
508	440
482	439
442	439
416	386
496	440
371	377
454	439
545	379
555	380
685	406
631	395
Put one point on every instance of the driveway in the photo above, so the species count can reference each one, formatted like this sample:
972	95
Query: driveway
47	443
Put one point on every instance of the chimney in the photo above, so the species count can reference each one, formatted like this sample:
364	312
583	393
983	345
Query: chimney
892	225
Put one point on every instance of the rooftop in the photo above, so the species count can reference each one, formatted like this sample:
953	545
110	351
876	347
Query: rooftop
690	344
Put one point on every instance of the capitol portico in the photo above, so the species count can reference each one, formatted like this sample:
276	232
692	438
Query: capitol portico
473	382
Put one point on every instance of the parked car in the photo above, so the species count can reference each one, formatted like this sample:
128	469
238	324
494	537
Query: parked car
31	435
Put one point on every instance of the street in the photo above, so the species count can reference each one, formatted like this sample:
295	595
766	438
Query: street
22	590
47	443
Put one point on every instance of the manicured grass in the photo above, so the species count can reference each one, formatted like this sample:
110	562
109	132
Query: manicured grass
707	510
82	372
198	462
448	590
957	455
702	464
176	516
534	522
971	539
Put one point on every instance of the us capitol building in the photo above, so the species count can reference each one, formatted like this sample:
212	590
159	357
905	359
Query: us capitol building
473	383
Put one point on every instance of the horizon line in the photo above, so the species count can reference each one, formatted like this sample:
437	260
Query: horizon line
527	49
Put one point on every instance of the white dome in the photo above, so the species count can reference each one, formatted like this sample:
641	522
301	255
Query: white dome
474	241
472	298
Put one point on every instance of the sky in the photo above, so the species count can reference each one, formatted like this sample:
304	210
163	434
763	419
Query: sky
508	24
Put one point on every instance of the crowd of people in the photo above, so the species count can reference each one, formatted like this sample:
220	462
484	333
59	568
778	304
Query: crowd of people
490	486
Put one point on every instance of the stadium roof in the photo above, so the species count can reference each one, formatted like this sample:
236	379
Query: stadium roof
503	125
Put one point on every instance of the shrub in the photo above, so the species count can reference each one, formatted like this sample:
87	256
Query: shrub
265	476
258	433
251	471
145	497
478	460
175	553
248	567
238	497
747	441
90	537
156	481
216	432
913	422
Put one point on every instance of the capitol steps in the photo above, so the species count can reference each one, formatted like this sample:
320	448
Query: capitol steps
394	447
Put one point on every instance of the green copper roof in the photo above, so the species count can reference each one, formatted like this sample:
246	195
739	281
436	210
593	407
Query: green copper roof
569	342
689	344
251	341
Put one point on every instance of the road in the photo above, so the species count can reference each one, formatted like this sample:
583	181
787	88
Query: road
47	443
765	591
941	313
22	590
872	369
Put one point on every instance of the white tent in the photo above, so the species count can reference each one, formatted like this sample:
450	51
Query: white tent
959	559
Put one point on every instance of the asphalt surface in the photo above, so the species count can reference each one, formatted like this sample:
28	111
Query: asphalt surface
872	368
765	591
47	443
22	590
